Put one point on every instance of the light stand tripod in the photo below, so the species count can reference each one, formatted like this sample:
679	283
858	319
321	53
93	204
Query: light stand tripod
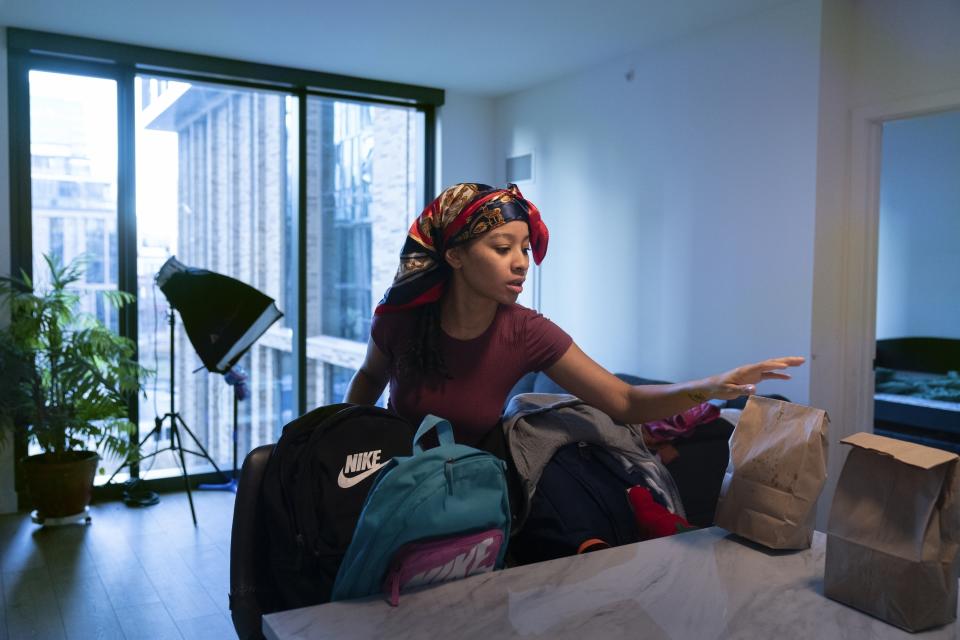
231	485
222	317
176	423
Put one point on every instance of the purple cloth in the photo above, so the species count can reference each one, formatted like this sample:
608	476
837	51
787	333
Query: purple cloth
237	378
682	424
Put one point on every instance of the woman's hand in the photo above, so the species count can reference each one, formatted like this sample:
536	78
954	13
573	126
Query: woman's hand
742	381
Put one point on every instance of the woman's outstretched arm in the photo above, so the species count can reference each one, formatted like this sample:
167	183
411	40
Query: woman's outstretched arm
371	378
576	372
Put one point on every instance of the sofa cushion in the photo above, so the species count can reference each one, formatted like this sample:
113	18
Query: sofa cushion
524	385
539	382
635	380
543	384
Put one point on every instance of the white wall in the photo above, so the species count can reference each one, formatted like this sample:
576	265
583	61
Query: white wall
918	270
8	498
678	185
874	52
465	140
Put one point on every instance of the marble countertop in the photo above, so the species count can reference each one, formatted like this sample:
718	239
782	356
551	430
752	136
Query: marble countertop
700	585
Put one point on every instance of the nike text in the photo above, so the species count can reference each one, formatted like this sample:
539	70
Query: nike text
362	461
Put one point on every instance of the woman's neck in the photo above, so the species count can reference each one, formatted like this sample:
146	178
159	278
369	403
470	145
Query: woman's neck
465	317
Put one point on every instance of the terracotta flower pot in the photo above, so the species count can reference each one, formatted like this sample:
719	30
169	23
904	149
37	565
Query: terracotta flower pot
61	486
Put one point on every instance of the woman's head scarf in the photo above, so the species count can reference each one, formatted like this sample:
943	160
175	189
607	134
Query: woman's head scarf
459	214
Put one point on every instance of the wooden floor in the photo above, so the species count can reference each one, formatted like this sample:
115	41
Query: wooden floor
131	573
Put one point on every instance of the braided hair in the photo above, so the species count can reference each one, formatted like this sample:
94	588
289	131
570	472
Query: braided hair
422	359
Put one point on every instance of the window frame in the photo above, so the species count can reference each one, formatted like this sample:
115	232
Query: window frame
29	50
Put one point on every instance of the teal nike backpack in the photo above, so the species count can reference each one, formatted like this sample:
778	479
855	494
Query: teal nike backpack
435	516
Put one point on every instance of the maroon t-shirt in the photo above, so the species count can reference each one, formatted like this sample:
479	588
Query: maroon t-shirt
483	369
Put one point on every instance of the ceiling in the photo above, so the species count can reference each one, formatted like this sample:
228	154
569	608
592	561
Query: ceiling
491	48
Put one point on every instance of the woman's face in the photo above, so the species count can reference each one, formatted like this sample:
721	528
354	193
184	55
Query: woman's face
495	264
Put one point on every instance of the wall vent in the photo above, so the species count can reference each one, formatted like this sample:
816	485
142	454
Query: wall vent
520	168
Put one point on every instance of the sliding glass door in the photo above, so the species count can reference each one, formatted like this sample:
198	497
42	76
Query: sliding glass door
73	181
363	187
73	185
217	188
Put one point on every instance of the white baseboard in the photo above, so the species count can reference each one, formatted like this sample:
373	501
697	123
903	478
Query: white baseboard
8	501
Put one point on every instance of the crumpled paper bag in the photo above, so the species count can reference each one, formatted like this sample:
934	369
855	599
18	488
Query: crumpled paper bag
777	469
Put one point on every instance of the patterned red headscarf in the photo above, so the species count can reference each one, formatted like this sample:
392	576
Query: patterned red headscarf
461	213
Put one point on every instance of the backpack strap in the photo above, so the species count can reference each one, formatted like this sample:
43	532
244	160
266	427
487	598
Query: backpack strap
430	422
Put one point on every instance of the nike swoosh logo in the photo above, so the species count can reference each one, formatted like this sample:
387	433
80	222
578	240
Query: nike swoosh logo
345	483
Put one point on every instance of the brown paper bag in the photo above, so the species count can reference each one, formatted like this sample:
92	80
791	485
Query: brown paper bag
778	464
893	532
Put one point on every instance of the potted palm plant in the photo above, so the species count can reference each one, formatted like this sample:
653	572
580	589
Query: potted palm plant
68	381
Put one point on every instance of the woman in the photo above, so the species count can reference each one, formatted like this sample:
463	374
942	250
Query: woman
449	338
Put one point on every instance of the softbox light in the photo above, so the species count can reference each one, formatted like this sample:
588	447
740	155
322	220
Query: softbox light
222	316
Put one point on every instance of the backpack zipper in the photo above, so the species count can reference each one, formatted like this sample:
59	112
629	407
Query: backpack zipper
448	473
291	515
604	461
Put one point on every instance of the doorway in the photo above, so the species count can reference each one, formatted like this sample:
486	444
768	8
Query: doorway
917	329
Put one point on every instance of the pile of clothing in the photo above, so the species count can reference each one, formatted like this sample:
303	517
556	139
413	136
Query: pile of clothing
587	482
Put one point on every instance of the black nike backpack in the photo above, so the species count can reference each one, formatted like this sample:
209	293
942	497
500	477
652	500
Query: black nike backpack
313	490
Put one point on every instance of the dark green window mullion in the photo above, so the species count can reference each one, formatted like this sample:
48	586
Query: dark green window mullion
300	231
18	87
361	100
21	247
429	153
53	64
127	221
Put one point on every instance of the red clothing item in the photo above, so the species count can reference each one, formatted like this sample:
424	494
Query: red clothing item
483	369
653	520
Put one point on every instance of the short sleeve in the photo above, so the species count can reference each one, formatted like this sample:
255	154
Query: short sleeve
382	334
545	341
